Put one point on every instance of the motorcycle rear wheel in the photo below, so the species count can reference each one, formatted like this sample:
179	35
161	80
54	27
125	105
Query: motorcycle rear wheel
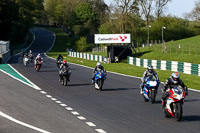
65	80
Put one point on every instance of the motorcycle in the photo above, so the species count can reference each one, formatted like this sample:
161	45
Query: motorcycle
99	80
38	65
59	62
64	77
174	103
149	91
31	56
25	60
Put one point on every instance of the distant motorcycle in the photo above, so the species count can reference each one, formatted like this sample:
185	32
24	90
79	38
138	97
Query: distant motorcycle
150	91
31	56
59	62
38	65
174	103
26	60
99	80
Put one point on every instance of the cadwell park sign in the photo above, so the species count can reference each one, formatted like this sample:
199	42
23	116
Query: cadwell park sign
112	38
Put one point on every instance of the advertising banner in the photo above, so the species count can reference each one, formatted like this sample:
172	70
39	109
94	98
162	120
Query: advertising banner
112	38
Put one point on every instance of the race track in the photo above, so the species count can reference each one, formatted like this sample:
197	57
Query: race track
119	108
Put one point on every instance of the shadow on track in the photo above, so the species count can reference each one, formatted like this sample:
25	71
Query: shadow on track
48	70
118	89
192	100
78	84
191	118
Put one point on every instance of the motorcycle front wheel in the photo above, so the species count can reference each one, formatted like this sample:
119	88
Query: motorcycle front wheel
153	96
178	111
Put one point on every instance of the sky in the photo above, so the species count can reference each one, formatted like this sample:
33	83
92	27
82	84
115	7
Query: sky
176	7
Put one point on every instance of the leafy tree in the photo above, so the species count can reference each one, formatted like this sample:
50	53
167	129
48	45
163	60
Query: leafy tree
81	45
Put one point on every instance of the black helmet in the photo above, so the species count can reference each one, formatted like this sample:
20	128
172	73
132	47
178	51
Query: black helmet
150	69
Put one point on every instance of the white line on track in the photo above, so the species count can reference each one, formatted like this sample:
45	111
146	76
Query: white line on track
90	124
22	123
69	108
34	86
49	96
43	92
58	102
63	105
19	80
75	113
100	131
81	117
54	99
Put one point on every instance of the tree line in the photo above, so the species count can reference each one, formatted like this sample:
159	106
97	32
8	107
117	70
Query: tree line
85	17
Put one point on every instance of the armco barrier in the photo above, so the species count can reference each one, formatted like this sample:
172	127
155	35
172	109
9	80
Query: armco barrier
184	67
87	56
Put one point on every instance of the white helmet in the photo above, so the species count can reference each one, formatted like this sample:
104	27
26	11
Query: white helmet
175	77
98	64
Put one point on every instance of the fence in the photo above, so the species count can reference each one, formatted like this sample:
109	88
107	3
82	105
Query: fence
87	56
99	49
183	67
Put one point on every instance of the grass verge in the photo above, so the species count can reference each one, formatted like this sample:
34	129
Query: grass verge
192	81
127	69
184	50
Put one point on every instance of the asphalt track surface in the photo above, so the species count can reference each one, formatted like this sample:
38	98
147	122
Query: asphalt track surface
119	108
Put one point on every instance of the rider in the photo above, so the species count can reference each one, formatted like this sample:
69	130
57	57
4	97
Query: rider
38	58
147	73
59	58
63	68
173	80
98	67
30	54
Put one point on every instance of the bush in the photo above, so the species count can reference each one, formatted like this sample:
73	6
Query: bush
81	45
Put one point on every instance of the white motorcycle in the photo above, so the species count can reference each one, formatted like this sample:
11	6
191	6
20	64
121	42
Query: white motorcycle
26	61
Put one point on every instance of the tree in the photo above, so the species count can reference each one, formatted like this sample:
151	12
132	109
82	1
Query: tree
146	6
9	16
122	10
160	6
195	13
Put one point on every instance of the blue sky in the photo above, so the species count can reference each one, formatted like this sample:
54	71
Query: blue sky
176	7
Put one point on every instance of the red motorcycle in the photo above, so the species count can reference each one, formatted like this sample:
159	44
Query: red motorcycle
38	65
174	103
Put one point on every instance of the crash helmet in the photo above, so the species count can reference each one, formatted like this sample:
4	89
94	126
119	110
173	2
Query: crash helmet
150	69
98	65
175	77
64	62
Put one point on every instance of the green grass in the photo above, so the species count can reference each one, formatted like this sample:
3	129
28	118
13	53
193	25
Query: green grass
98	53
124	68
132	70
63	40
189	51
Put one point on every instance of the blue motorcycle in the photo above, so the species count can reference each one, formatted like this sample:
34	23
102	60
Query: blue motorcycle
149	92
99	80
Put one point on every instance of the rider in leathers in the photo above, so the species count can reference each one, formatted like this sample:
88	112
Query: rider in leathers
64	67
38	59
98	67
147	73
174	80
59	58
